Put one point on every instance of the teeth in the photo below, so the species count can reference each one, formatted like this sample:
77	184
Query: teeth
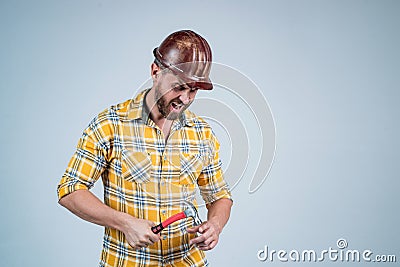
175	105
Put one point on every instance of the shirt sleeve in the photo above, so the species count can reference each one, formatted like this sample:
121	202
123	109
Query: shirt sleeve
89	160
211	181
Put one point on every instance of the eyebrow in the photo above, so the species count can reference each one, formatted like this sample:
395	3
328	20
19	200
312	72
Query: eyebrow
184	85
180	82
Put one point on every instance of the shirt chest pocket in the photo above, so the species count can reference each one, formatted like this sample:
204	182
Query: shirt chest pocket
136	166
191	165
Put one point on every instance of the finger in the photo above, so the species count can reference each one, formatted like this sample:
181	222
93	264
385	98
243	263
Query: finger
132	244
150	239
193	230
143	240
202	246
213	244
209	238
154	238
205	248
135	245
204	227
144	244
208	241
197	240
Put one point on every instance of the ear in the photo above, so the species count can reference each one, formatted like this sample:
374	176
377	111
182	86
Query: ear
155	70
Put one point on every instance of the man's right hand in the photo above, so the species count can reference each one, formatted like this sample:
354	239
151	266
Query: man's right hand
138	232
88	207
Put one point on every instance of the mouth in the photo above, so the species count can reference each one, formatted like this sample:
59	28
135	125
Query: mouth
175	106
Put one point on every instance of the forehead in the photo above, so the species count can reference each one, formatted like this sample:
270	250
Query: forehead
172	80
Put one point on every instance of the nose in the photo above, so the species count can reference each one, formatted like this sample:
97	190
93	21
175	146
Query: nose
185	97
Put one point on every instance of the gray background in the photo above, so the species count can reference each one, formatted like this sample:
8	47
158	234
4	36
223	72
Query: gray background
329	70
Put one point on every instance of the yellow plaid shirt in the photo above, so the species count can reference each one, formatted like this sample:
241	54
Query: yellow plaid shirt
147	178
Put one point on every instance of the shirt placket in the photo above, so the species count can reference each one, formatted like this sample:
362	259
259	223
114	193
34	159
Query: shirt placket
166	192
163	212
163	187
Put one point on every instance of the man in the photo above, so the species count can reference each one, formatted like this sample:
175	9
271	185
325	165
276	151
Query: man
152	154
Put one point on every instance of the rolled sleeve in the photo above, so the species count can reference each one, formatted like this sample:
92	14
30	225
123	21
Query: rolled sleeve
211	181
86	165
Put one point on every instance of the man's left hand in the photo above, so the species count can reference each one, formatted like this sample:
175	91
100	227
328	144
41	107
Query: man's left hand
208	239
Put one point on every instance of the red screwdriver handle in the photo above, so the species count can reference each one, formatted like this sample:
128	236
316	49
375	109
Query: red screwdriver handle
158	228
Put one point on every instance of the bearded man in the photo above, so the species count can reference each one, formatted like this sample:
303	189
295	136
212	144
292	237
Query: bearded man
152	154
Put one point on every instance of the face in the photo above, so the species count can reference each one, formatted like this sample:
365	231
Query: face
172	96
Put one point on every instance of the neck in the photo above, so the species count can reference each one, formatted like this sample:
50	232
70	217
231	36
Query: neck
155	114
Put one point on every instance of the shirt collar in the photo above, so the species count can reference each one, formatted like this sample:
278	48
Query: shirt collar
139	110
187	118
136	110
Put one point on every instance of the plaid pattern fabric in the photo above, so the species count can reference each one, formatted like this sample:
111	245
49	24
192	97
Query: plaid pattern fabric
148	178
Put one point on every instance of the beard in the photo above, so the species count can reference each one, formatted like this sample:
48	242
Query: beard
164	106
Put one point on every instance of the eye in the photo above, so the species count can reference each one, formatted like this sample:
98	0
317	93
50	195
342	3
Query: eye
179	88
